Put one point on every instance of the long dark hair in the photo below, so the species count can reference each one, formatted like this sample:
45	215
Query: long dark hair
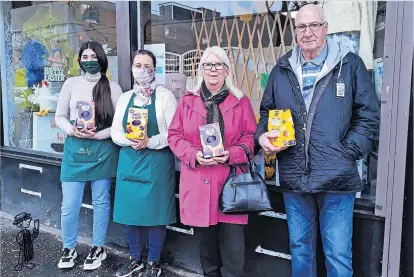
101	93
145	52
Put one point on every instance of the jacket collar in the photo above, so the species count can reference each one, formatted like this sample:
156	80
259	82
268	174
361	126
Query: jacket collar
335	54
195	103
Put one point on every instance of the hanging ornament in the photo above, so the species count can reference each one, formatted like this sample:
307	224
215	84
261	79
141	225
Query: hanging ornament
244	9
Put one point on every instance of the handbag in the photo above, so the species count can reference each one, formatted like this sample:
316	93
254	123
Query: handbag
246	192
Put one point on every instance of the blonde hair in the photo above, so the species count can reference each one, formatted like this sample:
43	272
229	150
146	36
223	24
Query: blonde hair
221	54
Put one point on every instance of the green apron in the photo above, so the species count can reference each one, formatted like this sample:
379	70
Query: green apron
88	159
145	185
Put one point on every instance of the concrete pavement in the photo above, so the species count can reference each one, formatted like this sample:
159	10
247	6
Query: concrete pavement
48	247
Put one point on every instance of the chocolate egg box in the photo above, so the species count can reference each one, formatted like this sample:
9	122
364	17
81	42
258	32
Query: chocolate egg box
211	140
281	124
137	123
85	114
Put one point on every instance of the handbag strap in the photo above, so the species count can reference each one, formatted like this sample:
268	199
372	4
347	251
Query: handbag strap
249	160
252	168
246	150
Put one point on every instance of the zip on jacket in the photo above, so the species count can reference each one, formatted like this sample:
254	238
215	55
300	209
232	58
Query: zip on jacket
307	117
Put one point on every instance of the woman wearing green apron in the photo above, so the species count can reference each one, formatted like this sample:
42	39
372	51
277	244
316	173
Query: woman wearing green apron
89	154
145	187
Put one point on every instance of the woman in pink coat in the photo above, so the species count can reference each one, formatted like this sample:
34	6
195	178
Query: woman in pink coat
214	100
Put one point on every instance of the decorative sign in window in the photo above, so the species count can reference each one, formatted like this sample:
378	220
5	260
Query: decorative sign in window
55	74
47	136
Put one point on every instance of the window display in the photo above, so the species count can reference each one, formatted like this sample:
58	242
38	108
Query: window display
40	52
356	28
255	35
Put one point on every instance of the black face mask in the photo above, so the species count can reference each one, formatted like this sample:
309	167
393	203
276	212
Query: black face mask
92	67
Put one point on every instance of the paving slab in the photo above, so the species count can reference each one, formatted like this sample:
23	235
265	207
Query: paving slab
47	248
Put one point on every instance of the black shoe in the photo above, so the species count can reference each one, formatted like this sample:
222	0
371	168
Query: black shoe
152	270
133	267
57	147
67	259
95	258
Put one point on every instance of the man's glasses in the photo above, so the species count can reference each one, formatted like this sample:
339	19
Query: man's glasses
313	27
217	66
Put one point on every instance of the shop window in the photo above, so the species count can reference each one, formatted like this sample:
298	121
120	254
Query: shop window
254	34
38	53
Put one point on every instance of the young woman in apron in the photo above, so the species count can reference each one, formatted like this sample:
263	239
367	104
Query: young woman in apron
89	154
145	187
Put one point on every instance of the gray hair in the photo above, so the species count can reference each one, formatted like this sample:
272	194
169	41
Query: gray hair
314	7
323	16
221	54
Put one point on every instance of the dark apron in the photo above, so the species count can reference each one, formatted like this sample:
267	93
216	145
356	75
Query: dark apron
145	185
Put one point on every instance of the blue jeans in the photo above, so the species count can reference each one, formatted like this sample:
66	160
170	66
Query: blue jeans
136	235
71	204
334	213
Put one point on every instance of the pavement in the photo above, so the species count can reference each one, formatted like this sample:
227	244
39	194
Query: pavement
48	247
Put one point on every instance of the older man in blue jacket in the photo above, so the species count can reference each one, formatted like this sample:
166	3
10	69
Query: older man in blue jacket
336	116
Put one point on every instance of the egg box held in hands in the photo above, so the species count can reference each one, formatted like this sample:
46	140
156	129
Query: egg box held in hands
85	115
281	124
137	123
211	140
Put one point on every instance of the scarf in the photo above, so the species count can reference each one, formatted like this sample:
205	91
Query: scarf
212	102
144	93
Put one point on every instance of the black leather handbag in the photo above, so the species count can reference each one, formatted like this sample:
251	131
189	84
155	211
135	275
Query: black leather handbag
246	192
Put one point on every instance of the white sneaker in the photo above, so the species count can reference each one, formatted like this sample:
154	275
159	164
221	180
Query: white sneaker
67	259
95	258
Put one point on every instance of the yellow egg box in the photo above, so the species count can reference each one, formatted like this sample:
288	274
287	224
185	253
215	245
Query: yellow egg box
281	124
137	124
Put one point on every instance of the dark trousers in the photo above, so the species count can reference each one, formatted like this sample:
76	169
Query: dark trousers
222	250
156	235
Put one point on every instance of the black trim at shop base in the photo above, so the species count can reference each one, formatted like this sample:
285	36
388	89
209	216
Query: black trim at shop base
265	232
29	155
363	207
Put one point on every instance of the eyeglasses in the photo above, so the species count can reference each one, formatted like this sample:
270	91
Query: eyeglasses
209	66
313	27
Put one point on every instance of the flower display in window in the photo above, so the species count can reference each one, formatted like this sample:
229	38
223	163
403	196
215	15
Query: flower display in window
44	98
33	59
106	48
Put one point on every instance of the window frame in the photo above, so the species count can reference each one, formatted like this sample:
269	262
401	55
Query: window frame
124	79
395	101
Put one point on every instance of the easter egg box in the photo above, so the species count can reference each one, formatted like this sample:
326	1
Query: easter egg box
85	115
281	124
137	123
211	140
